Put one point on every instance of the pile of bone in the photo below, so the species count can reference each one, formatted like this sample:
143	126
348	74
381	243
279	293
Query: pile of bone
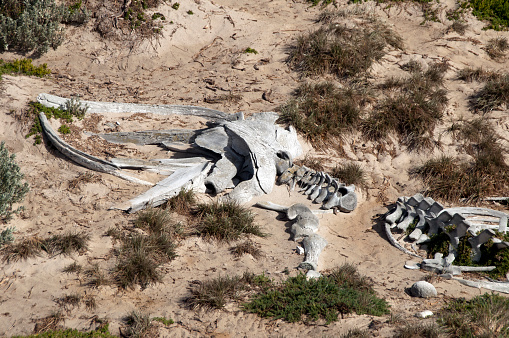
241	155
304	228
320	187
431	219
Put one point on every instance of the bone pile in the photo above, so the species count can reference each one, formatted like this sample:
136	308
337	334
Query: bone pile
320	187
432	218
235	154
304	228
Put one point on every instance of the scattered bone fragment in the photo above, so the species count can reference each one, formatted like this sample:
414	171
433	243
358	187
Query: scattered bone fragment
424	314
494	286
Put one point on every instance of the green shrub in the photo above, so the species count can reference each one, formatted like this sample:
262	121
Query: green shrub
64	129
496	12
6	236
23	66
12	189
33	25
326	297
225	221
250	50
163	320
101	332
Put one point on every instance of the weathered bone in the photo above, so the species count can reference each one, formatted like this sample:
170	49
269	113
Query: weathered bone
393	241
281	208
395	214
477	241
502	224
494	286
419	227
313	246
456	234
409	218
151	136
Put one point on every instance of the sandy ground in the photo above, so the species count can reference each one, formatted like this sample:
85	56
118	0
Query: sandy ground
199	58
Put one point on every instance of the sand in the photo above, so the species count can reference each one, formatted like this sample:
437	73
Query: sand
200	58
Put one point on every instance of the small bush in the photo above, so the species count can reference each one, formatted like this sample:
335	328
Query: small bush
75	108
215	293
459	27
154	220
12	189
138	325
496	12
23	66
250	50
323	111
74	267
6	236
33	25
183	203
246	247
175	6
226	221
324	3
64	129
323	298
341	50
482	316
493	95
350	173
95	276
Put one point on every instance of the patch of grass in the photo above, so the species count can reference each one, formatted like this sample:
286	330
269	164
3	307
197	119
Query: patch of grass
154	220
95	276
356	333
497	47
101	332
496	12
482	316
323	111
215	293
350	173
83	178
175	6
163	320
430	330
247	247
413	111
74	267
459	27
27	248
189	12
476	74
324	3
138	325
493	95
339	292
182	203
250	50
6	236
66	244
314	163
225	221
23	66
64	129
49	323
68	302
342	50
136	18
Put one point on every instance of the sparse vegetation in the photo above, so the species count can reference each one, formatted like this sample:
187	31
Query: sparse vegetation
64	129
250	50
12	187
493	95
342	291
175	6
341	50
74	267
6	236
138	325
182	203
324	3
225	221
496	12
215	293
314	163
476	74
33	25
430	330
100	332
482	316
246	247
323	111
413	111
350	173
23	66
163	320
497	47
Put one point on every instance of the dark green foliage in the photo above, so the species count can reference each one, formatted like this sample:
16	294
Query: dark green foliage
250	50
491	256
323	298
496	12
350	173
464	251
225	221
341	50
23	66
12	189
439	243
33	25
175	6
324	3
483	316
493	95
322	111
137	19
64	129
413	111
101	332
182	203
163	320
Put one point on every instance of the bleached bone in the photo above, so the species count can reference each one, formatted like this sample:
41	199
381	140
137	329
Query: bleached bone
494	286
84	159
313	246
467	211
333	198
316	191
409	218
395	214
161	109
324	191
160	166
187	178
186	148
281	208
502	224
419	227
477	241
415	200
348	202
145	137
283	161
305	226
393	241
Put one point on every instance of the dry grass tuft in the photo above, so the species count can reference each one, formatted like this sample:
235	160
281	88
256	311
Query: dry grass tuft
497	47
314	163
183	203
28	248
350	173
247	247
